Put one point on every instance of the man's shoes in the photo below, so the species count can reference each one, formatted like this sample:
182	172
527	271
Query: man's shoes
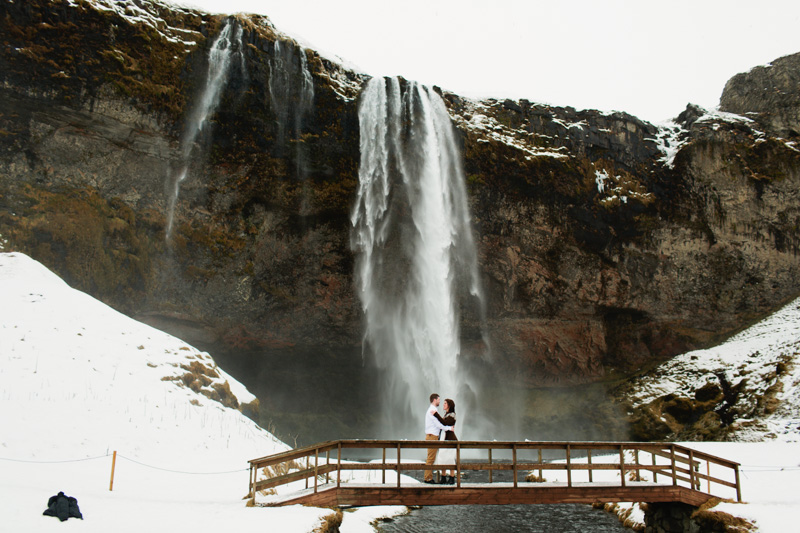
443	480
430	482
451	480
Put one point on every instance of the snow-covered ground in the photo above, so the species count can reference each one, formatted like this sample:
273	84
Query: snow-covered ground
79	380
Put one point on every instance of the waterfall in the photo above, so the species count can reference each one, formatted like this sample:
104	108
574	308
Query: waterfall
291	93
416	263
227	43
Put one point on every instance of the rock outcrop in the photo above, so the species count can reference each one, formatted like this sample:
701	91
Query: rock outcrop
768	94
605	243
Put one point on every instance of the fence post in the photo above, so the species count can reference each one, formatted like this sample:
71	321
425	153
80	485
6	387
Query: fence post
540	464
674	471
589	459
383	467
113	466
339	465
569	468
458	464
252	480
398	465
490	465
655	463
691	470
738	485
514	462
636	462
622	464
327	467
316	468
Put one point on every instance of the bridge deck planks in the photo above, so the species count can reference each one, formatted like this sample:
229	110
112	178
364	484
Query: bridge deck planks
490	494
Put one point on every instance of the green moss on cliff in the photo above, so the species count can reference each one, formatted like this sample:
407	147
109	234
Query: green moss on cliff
74	50
97	245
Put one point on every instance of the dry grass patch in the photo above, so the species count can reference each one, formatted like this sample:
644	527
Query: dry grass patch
635	475
624	515
330	523
200	378
277	470
281	469
709	519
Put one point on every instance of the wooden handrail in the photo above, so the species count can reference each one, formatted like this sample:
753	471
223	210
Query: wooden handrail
682	464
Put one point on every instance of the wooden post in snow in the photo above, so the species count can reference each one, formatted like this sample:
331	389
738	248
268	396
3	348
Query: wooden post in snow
113	465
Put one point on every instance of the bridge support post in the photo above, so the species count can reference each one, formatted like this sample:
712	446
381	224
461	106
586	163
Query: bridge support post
670	518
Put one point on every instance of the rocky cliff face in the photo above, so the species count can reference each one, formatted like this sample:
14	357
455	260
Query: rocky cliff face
610	243
605	243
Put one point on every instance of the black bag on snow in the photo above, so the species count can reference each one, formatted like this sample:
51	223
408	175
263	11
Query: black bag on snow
63	507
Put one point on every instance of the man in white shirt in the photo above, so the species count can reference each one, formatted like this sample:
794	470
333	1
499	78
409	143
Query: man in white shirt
432	429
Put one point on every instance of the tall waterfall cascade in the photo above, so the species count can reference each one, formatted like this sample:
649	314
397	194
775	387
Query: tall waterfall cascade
416	266
227	45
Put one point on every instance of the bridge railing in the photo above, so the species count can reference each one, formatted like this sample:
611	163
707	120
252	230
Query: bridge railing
578	462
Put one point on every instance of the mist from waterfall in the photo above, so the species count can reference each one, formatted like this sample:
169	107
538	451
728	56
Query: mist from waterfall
416	266
225	46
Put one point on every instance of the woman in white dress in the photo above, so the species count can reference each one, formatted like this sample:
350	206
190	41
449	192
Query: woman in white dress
447	456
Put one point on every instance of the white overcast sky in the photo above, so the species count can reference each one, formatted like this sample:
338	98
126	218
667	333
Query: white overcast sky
644	57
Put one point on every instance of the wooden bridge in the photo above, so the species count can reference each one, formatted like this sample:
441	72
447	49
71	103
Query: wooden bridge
578	472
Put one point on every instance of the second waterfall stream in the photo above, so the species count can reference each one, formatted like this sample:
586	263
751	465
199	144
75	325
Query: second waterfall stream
227	43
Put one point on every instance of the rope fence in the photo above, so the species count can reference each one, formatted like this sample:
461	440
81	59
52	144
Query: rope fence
54	462
181	471
129	459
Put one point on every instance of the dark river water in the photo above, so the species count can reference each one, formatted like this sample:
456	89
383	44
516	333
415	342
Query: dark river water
562	518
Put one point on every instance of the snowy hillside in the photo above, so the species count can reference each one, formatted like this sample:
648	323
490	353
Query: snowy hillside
79	380
746	389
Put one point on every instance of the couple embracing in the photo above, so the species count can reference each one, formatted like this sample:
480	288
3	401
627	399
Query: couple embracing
440	428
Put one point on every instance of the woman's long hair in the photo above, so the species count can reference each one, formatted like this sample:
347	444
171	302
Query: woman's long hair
451	406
